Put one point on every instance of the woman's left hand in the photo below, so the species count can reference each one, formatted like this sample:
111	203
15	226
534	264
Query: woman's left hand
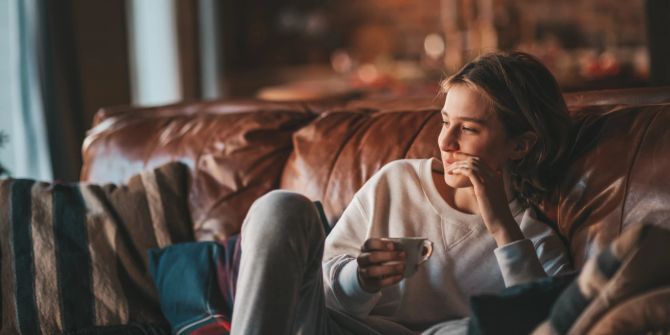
493	204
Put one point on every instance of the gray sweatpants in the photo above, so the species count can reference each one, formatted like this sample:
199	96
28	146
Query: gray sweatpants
280	285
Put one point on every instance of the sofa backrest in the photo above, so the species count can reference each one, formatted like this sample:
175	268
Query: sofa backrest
239	150
618	176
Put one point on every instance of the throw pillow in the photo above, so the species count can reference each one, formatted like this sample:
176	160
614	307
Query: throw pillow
517	309
73	256
636	262
196	284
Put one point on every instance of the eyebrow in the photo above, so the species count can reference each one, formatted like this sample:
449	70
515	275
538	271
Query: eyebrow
470	119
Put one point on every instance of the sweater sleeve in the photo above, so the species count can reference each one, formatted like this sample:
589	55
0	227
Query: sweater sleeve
342	288
542	253
518	263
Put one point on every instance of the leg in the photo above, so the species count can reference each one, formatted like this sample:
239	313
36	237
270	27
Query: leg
453	327
280	285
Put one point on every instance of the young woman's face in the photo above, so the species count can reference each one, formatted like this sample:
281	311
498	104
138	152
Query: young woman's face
471	129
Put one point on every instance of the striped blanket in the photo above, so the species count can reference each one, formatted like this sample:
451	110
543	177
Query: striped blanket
73	256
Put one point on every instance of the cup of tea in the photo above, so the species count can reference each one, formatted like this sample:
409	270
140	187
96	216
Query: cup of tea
417	251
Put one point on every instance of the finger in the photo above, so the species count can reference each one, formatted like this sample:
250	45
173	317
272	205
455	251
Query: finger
377	257
385	256
480	170
456	165
468	172
462	163
473	164
374	243
380	272
390	281
471	168
460	168
483	168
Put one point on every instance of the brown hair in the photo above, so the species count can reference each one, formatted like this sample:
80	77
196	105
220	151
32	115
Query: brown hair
526	97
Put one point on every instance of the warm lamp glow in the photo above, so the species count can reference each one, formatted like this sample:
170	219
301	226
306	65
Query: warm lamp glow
368	73
341	61
433	44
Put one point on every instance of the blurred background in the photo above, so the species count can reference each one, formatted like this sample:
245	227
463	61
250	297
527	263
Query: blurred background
61	60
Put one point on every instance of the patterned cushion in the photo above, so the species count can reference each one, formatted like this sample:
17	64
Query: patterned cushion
73	256
635	263
647	313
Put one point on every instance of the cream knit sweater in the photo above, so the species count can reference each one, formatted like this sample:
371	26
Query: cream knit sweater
402	200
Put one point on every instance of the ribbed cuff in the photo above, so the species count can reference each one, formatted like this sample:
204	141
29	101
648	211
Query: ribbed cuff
518	262
356	300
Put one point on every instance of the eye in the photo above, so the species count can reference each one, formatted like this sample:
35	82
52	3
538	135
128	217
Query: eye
445	123
470	130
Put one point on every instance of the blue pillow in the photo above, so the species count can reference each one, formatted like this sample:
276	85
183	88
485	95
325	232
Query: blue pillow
196	283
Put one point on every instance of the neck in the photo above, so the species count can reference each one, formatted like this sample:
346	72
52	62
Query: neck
464	200
461	199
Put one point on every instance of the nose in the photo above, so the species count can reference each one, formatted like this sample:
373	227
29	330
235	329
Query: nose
448	139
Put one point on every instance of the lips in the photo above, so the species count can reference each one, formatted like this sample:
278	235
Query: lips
449	158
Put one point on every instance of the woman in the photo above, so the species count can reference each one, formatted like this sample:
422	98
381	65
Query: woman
505	128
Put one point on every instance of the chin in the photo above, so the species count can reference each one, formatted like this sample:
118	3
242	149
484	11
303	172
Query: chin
455	181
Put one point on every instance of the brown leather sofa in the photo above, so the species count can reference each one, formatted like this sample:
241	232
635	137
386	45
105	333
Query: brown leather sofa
618	175
239	150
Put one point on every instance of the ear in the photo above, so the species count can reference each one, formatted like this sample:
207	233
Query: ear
522	145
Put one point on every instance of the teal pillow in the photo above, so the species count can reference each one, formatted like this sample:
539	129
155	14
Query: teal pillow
195	283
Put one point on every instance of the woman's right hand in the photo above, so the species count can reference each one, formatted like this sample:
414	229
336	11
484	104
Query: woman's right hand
374	273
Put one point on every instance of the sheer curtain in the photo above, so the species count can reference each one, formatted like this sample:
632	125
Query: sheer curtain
53	76
22	105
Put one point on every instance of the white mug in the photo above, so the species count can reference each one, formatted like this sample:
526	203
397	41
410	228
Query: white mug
417	251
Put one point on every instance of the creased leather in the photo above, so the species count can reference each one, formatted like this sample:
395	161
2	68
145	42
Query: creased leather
239	150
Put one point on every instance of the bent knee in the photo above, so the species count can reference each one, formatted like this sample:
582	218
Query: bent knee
281	199
280	212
